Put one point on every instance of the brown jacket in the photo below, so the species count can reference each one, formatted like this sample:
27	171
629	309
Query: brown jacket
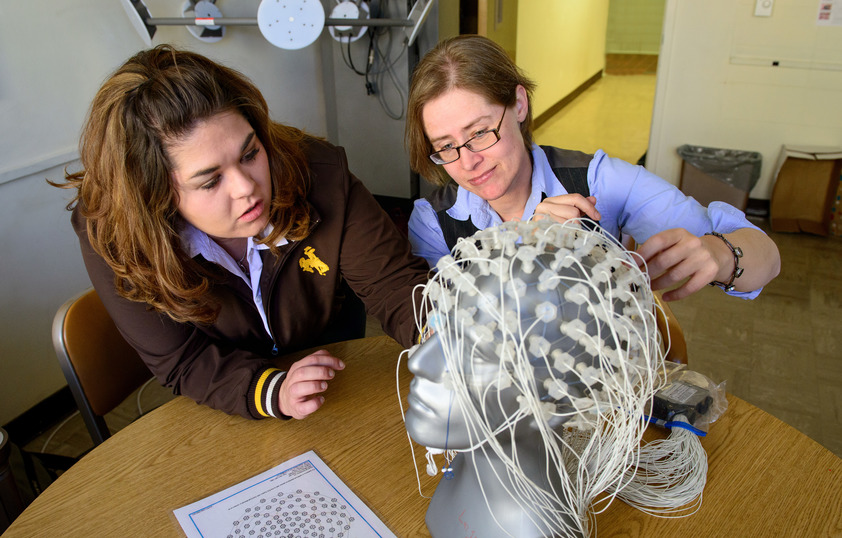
223	365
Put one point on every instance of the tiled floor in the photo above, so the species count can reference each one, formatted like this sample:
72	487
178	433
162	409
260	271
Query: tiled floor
781	352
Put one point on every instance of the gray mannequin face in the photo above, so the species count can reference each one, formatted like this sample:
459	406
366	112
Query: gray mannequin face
435	418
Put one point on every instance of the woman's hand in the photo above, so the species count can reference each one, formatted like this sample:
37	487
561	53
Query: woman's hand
675	256
304	381
566	207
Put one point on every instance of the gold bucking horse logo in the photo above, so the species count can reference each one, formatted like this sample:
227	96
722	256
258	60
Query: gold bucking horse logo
312	262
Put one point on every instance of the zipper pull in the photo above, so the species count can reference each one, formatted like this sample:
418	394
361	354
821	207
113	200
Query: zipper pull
274	349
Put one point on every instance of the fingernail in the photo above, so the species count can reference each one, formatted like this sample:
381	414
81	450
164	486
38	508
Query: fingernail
324	385
331	373
341	364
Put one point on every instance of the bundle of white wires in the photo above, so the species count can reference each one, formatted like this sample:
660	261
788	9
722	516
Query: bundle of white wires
670	475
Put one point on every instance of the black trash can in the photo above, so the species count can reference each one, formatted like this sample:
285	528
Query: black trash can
715	174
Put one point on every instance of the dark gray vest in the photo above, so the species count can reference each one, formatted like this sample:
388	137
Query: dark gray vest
570	168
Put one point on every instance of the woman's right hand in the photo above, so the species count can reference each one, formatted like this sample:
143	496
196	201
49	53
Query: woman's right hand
305	380
566	207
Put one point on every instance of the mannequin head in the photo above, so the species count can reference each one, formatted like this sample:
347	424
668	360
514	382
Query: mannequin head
538	328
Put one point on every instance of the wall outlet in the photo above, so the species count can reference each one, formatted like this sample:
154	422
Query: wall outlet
763	8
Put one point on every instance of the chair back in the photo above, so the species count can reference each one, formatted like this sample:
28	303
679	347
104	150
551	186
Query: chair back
671	332
101	368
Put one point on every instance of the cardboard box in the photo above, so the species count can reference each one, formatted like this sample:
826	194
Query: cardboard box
836	212
806	181
706	188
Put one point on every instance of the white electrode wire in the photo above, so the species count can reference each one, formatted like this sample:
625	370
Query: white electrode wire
585	467
140	393
55	431
665	339
527	494
403	417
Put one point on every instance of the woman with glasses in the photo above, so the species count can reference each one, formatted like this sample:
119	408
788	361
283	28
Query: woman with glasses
469	131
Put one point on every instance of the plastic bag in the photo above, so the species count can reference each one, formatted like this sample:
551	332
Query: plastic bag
688	400
740	169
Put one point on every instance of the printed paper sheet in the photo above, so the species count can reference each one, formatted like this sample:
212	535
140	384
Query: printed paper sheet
300	497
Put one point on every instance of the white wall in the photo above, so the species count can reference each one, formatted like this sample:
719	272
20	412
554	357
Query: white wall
361	123
634	26
705	96
40	267
55	56
560	44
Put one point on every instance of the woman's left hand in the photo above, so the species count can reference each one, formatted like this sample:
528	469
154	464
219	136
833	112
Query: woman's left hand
675	256
566	207
300	392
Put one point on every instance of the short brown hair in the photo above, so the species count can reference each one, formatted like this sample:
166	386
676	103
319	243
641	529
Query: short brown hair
468	62
125	189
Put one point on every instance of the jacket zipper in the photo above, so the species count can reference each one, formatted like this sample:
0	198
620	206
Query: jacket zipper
281	263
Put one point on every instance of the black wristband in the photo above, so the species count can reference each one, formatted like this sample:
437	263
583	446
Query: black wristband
738	271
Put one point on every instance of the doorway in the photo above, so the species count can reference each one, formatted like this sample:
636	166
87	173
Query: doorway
494	19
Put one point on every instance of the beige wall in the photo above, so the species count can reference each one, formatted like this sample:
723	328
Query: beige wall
708	94
560	44
448	15
497	20
634	26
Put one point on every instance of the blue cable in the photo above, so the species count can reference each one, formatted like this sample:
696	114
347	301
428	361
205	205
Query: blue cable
675	424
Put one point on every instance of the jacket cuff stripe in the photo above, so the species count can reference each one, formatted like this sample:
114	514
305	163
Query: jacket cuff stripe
272	406
259	390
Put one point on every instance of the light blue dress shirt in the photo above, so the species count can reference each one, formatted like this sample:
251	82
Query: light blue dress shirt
629	198
196	242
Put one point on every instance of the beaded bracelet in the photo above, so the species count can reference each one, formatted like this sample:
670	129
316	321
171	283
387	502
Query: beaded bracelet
738	271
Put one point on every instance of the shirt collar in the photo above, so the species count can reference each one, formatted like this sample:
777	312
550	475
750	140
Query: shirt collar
196	242
469	204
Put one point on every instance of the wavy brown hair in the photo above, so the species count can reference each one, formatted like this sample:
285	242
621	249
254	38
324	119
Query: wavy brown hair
468	62
125	189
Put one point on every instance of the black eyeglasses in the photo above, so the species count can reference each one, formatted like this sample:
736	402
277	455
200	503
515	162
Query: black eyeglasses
479	142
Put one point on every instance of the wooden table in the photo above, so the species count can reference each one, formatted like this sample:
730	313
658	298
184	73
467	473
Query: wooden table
765	478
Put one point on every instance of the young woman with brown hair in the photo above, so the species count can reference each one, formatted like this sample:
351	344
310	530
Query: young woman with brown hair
218	238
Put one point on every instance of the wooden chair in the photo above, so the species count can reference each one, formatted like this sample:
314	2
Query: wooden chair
670	332
101	368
